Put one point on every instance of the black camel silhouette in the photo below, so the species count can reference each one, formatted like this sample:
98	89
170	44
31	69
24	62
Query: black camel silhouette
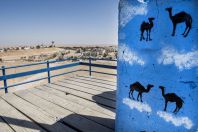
146	26
172	97
180	18
140	89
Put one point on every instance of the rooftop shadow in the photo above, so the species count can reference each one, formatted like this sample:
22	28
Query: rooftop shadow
72	123
104	102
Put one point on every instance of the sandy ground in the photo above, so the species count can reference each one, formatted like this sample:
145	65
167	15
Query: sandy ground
17	54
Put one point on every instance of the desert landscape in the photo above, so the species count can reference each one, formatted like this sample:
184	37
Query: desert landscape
21	55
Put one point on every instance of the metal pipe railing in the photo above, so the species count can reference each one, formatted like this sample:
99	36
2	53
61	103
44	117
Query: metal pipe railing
48	69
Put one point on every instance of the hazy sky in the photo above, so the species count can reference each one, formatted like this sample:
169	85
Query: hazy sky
64	21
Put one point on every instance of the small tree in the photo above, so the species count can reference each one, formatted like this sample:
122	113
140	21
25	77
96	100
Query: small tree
105	55
5	50
38	47
52	44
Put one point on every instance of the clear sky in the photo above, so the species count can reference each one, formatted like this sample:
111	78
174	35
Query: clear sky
24	22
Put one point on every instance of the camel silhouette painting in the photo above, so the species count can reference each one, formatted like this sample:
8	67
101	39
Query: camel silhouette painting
181	17
140	89
146	26
172	97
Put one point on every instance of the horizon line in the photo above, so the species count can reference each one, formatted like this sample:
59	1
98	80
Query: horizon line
57	45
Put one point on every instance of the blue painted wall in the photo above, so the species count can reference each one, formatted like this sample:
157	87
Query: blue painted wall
169	61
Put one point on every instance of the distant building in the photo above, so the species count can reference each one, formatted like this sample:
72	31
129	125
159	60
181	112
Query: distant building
27	48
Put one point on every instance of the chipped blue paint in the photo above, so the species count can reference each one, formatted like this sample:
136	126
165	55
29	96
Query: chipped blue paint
169	61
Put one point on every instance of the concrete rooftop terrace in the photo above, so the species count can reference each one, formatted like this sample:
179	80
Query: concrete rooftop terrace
75	103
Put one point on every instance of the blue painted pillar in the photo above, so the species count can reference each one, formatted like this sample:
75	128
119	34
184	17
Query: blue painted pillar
157	66
5	80
48	72
89	66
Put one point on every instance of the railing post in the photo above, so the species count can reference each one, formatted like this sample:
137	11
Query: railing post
89	66
4	80
48	72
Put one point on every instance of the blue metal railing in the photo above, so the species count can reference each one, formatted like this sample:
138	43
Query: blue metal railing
47	70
